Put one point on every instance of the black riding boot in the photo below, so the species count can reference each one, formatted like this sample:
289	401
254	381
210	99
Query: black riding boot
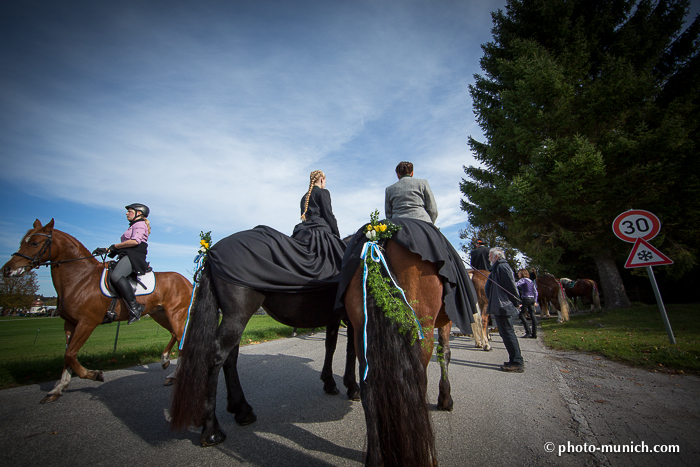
127	293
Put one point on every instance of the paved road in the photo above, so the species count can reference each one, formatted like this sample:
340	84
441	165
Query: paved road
499	418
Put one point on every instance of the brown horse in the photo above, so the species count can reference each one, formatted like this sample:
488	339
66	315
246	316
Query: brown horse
393	395
584	288
480	328
550	290
76	277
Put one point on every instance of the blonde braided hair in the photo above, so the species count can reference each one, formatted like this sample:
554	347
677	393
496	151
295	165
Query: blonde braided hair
315	176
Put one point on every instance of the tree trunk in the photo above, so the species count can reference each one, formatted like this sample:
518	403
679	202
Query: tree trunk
611	282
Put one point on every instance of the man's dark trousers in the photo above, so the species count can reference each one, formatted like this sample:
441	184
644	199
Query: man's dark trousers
510	340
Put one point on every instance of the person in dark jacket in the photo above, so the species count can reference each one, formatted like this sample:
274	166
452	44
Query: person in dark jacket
131	253
503	305
479	256
528	295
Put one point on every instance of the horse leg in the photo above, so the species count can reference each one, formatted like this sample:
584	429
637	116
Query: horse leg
544	308
350	376
329	385
444	354
159	317
76	335
165	361
485	331
476	331
237	404
238	308
170	379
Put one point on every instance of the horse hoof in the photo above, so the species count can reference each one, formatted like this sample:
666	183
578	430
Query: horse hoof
169	381
49	398
165	364
487	348
100	376
212	440
446	407
478	346
247	420
354	395
332	391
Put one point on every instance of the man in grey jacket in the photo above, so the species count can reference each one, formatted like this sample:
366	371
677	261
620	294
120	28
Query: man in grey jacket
410	197
504	300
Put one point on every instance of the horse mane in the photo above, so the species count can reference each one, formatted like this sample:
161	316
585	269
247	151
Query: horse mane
82	249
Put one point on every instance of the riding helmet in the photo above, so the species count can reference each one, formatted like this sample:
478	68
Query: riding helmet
139	207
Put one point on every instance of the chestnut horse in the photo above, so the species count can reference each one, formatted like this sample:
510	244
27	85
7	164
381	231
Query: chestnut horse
76	277
550	290
584	288
209	346
393	394
480	328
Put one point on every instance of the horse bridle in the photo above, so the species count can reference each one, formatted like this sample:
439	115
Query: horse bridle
36	260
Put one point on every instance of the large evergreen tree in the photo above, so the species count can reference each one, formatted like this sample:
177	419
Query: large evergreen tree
589	108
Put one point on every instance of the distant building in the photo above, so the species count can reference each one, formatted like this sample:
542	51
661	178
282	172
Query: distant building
37	307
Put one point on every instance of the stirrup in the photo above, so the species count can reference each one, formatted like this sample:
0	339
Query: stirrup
133	316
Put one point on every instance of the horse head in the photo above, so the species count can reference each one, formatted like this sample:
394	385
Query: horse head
34	249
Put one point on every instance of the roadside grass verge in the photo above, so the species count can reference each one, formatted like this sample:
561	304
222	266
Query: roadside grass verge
31	349
635	336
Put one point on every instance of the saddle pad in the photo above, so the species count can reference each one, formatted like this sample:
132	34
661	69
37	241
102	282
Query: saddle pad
145	286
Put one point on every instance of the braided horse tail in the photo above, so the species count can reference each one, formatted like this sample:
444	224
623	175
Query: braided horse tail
399	428
314	177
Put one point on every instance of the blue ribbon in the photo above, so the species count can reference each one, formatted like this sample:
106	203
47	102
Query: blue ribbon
198	259
375	254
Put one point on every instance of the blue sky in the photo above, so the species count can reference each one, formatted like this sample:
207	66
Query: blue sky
214	113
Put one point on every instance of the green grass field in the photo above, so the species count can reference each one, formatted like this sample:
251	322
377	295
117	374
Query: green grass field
634	335
31	349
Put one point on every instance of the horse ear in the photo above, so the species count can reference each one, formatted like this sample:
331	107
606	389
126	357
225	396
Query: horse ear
37	224
49	226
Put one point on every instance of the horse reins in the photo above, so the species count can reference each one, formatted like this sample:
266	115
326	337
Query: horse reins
36	261
489	279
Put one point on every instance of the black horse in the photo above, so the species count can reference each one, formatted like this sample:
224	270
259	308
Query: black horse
210	345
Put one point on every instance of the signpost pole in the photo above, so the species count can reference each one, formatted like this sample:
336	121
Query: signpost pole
660	302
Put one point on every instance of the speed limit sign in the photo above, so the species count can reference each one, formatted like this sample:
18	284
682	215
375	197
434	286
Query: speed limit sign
634	224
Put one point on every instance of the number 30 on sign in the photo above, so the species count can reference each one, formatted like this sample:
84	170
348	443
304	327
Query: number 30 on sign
634	224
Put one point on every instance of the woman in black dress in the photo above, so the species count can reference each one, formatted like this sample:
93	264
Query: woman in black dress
265	259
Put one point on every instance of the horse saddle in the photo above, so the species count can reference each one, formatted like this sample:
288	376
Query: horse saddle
143	284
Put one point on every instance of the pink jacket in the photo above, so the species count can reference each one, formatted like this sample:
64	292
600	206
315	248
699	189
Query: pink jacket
137	231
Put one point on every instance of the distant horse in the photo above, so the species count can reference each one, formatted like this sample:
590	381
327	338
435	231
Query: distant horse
399	430
550	290
76	276
209	346
480	328
584	288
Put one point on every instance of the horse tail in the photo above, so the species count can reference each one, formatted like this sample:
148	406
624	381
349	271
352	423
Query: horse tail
595	295
190	389
399	429
563	304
